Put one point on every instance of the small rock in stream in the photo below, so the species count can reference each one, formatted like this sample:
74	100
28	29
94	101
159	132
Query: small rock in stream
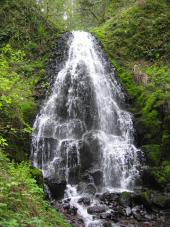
97	209
128	211
84	200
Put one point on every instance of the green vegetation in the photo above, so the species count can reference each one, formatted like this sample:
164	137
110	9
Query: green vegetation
21	200
26	41
137	35
134	34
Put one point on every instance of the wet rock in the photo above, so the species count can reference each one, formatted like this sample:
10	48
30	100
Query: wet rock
87	178
70	210
90	189
128	211
136	209
97	209
148	217
81	187
161	200
56	188
103	216
84	200
66	200
125	199
136	213
107	224
90	152
106	216
109	197
66	206
97	177
167	188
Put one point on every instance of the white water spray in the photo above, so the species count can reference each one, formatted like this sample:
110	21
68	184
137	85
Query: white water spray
82	127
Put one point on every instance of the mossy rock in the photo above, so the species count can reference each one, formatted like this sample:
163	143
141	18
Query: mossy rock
161	200
37	175
151	199
125	199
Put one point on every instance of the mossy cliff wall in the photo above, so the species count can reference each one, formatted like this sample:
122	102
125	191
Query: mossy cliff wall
136	38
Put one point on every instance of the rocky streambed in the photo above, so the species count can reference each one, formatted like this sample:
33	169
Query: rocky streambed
142	208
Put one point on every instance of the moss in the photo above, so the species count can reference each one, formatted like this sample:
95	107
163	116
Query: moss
147	195
138	34
37	175
159	176
153	153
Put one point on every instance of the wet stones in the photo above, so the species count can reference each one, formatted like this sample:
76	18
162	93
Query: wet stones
56	189
90	189
123	209
90	152
97	209
97	177
128	211
125	199
84	200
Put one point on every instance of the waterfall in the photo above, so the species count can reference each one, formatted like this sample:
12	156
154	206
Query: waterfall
83	136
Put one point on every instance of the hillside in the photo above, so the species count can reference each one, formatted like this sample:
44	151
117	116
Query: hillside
136	38
22	201
24	35
24	54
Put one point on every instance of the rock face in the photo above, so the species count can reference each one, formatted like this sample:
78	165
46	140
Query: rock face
82	135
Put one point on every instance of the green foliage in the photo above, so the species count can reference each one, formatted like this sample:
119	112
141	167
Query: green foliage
162	174
23	25
153	155
137	32
26	40
3	142
16	102
21	200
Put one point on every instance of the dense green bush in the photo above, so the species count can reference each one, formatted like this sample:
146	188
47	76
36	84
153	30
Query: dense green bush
21	200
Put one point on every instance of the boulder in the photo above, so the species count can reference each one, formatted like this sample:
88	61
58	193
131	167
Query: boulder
97	177
56	189
90	189
125	199
96	209
128	211
84	200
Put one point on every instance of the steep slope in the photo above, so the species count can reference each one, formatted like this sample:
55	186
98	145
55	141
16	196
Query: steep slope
26	40
136	38
22	200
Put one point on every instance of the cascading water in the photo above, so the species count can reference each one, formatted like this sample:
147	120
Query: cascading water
83	137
